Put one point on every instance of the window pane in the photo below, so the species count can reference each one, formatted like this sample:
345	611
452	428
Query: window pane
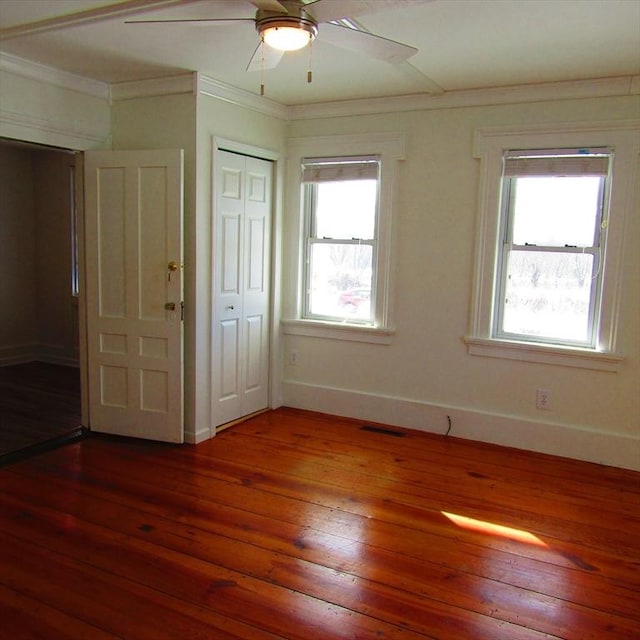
340	281
556	211
346	209
547	295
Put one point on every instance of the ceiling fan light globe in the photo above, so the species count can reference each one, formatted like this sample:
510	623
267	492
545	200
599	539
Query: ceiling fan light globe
287	38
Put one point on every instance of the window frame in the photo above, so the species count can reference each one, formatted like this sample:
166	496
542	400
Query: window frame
311	239
389	148
490	146
596	249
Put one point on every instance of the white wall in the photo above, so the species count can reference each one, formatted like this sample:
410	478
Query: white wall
426	373
223	119
56	307
188	119
17	255
169	122
40	316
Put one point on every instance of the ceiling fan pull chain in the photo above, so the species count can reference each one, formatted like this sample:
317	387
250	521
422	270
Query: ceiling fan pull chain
309	73
261	66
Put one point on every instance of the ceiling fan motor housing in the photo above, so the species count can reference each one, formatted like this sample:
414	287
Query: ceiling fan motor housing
295	18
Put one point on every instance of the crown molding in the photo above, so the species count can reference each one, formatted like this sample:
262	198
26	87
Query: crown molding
96	14
193	82
163	86
571	90
50	75
215	89
25	127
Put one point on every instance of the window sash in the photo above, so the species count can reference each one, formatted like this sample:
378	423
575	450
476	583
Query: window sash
508	210
310	203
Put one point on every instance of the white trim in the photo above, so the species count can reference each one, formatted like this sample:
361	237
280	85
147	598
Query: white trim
215	89
544	92
88	16
390	148
490	143
20	126
550	91
164	86
580	442
17	354
337	331
63	79
224	144
56	354
191	437
543	354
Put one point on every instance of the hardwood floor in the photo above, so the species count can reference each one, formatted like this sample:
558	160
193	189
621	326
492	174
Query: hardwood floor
39	402
300	526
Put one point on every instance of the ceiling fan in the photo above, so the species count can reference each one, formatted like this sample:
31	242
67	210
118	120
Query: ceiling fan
288	25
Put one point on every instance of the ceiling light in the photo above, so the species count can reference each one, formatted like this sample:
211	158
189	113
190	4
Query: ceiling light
288	38
286	32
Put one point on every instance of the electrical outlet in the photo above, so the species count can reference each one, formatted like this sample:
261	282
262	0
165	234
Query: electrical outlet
543	399
293	358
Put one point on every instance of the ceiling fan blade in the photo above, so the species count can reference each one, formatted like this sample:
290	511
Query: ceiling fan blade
269	5
366	43
216	21
264	57
330	10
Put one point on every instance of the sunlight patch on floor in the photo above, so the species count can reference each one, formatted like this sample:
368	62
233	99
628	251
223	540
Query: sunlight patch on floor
490	528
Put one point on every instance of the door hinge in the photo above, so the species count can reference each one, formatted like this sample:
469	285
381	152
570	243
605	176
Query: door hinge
182	311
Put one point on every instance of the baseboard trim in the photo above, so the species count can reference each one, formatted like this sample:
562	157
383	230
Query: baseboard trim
54	354
570	441
191	437
23	353
17	354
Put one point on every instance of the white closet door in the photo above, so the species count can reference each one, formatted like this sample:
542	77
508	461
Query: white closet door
242	225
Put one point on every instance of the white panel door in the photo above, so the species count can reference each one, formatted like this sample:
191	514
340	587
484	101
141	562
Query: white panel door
241	303
133	231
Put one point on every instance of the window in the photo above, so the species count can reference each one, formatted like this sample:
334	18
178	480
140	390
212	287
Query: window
340	213
553	230
338	270
550	239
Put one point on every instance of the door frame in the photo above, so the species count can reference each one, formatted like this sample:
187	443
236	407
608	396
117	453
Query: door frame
219	143
83	347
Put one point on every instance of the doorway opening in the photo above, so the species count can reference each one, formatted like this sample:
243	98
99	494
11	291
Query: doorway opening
40	404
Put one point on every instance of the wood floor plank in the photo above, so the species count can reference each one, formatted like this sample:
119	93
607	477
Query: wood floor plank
418	539
429	521
295	525
301	426
310	576
406	608
38	402
347	453
22	617
406	486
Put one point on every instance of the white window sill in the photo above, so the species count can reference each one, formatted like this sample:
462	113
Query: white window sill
545	354
337	331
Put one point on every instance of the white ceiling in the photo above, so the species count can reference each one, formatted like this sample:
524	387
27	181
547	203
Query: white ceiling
462	44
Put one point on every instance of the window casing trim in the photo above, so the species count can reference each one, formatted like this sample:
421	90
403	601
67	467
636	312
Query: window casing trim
389	148
311	238
490	146
570	166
